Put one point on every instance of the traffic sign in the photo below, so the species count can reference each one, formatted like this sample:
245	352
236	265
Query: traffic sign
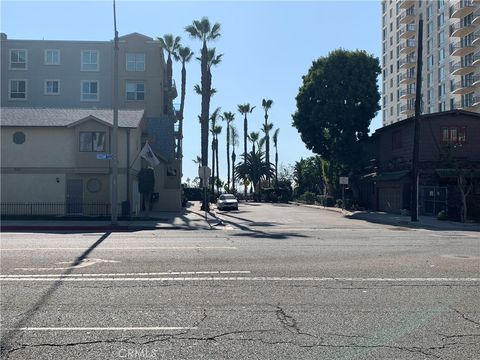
343	180
204	173
104	156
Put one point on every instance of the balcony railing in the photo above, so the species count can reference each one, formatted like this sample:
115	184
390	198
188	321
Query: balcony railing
407	46
407	93
407	108
407	77
464	86
407	31
476	101
408	62
404	4
460	29
461	48
408	15
461	8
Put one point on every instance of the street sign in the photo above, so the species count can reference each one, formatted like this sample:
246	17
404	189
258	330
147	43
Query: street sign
204	173
104	156
343	180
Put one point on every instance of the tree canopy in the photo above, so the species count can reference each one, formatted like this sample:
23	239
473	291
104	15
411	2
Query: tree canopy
336	103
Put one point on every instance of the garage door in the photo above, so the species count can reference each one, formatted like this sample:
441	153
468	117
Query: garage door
390	199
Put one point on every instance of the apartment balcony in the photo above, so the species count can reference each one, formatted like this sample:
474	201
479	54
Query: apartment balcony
461	29
461	48
462	68
407	31
461	9
407	110
465	85
408	93
408	46
407	78
475	101
476	17
408	62
476	81
407	16
405	4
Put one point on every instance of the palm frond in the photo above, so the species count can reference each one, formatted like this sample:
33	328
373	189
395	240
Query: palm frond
197	89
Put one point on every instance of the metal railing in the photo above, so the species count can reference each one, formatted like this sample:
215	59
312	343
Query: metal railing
56	209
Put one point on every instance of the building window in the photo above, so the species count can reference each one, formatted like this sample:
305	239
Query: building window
89	90
135	62
18	90
441	74
52	57
441	56
135	91
440	20
89	60
454	134
52	87
397	139
92	141
441	38
18	59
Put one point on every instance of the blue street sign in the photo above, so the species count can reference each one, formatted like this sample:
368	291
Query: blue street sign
104	156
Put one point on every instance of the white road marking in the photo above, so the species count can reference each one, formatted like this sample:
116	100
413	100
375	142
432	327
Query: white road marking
153	328
246	279
129	274
133	248
82	264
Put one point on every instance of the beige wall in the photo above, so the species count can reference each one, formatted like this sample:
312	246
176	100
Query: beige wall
33	188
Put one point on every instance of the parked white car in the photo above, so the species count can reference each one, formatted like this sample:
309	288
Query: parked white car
227	202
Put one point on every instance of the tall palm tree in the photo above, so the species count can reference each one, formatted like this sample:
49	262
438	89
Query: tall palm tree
217	130
245	109
275	143
184	54
203	31
228	117
170	44
254	138
254	169
234	135
267	104
214	130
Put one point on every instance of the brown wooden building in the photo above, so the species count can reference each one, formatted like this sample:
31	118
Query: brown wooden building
449	145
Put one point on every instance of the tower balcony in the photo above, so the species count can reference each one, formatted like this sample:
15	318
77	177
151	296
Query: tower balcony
461	68
407	46
475	101
407	31
461	48
405	4
461	29
407	110
408	93
407	16
476	17
408	62
407	78
464	86
461	9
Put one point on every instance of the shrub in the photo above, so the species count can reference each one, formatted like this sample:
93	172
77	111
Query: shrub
325	200
339	203
308	197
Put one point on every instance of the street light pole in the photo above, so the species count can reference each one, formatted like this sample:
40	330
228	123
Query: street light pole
115	123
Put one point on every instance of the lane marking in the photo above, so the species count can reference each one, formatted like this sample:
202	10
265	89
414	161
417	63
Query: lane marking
260	278
129	274
82	264
134	248
153	328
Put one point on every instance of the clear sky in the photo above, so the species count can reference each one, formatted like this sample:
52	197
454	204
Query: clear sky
267	45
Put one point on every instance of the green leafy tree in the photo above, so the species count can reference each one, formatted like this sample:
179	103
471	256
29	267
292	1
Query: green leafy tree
335	105
267	127
184	54
146	186
170	44
245	109
308	174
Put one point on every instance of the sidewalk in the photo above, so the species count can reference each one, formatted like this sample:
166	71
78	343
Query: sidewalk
424	222
190	218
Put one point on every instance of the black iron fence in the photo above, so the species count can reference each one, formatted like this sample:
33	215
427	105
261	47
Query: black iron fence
55	209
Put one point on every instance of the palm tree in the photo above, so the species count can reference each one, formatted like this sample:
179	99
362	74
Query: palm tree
170	44
184	54
214	130
254	137
217	131
234	134
267	104
198	161
228	117
245	109
254	169
203	31
275	143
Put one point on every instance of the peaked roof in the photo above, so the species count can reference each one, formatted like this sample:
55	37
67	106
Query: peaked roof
136	34
57	117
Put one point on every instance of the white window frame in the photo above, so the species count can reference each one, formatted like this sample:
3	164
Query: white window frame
134	82
45	92
45	57
10	90
10	59
81	90
82	64
135	62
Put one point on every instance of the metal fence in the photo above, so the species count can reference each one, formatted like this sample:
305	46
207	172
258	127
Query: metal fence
55	209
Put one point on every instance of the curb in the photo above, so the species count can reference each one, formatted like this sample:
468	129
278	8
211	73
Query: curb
87	228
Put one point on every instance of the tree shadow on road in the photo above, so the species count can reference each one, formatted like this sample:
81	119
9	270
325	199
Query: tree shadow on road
6	342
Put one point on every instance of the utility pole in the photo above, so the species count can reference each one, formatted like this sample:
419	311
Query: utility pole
416	125
115	123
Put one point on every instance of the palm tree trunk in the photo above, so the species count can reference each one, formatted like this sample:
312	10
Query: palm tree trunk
276	167
267	156
228	156
205	109
245	132
169	85
213	164
217	163
233	170
182	105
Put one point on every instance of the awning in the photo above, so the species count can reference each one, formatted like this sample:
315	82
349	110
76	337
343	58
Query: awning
391	176
453	173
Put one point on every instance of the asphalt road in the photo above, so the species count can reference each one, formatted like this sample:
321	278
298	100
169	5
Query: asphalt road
271	282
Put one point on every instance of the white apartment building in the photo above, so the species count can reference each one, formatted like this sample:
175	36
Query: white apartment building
450	61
